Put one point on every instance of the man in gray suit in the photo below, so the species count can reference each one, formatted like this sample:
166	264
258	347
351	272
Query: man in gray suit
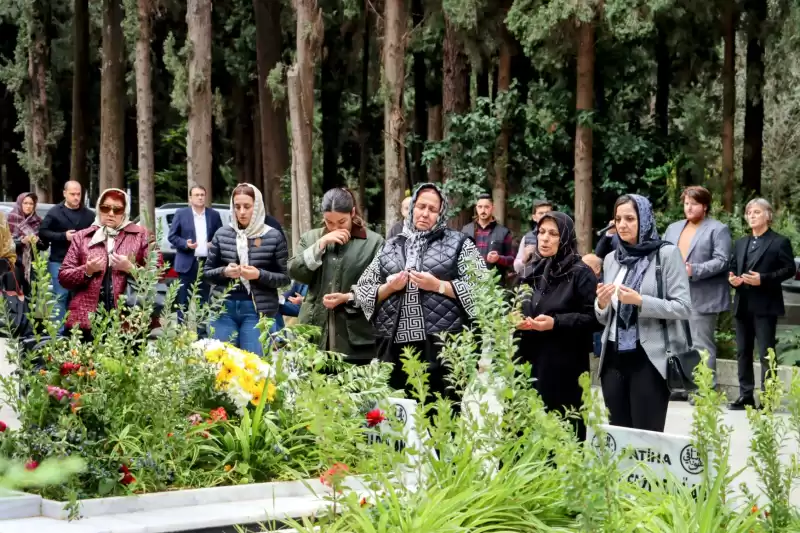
705	245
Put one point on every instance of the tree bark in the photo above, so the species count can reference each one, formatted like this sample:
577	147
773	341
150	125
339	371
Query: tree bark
394	48
435	134
198	137
40	159
300	80
363	136
455	96
274	149
144	117
583	138
418	171
752	153
301	118
80	93
259	176
728	104
500	185
242	136
112	99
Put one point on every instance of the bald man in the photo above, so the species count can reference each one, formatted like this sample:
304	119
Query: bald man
57	229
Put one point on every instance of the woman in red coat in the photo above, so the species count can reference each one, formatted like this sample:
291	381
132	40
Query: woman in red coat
101	257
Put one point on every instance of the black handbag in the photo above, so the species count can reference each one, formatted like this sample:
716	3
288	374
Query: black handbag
132	299
680	366
15	319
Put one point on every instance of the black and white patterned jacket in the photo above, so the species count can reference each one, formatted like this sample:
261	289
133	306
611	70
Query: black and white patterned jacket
421	313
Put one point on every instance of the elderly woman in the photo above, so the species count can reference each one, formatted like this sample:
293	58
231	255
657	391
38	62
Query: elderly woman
101	257
633	363
760	263
416	287
250	257
558	316
24	224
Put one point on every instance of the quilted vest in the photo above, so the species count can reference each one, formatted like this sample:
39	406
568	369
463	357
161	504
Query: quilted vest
440	258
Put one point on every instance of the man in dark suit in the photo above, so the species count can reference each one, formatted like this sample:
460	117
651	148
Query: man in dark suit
190	233
760	263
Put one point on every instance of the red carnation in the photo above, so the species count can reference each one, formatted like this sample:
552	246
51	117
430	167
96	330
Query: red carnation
3	426
334	474
127	477
68	368
218	414
375	417
31	465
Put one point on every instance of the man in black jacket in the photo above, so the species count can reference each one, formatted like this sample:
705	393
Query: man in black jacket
57	229
760	263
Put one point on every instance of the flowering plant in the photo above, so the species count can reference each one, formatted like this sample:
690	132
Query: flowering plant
241	375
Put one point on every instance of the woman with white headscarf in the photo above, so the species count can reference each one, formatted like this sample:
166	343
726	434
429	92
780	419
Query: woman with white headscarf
250	257
100	258
417	287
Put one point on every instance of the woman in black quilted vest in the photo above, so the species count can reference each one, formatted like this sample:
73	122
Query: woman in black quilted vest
558	316
250	257
417	287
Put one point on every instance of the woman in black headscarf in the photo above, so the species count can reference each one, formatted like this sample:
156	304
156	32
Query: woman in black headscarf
558	316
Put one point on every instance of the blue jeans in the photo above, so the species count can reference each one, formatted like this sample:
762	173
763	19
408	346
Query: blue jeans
239	319
60	292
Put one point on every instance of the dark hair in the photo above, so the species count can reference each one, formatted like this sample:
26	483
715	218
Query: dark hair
32	196
541	203
196	186
625	199
485	196
244	189
341	200
699	194
115	195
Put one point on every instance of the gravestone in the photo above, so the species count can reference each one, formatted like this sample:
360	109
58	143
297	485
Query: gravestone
664	454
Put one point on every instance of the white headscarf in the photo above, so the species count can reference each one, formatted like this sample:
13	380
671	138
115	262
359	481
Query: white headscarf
257	228
105	233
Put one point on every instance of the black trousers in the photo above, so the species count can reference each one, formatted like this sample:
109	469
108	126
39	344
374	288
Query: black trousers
634	391
750	328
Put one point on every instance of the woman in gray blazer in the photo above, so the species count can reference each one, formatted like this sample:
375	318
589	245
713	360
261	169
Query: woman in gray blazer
633	363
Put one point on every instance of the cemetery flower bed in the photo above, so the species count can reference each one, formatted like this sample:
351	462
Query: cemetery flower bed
174	412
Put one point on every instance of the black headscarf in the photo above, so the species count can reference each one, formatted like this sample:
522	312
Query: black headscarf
548	271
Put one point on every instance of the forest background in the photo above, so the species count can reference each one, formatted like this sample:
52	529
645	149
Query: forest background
573	100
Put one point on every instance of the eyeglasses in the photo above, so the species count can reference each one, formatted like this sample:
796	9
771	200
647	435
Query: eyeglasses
106	209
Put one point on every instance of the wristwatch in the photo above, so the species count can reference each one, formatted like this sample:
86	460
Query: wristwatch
351	297
442	287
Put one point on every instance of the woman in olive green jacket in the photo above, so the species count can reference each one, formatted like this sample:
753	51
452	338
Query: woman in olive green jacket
330	260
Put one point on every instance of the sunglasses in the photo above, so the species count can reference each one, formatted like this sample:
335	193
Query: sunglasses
106	209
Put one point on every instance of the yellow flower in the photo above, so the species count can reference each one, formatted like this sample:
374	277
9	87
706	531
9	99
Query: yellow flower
215	354
228	468
224	375
256	398
271	390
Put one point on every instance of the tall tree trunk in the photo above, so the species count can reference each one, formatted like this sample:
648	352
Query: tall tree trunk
420	99
242	133
301	106
198	138
455	95
728	103
301	121
40	166
259	176
663	82
334	76
435	134
363	134
752	153
394	49
500	185
274	149
583	138
144	117
80	93
112	99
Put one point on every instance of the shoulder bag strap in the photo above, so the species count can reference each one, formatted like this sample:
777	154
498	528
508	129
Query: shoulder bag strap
660	294
660	286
